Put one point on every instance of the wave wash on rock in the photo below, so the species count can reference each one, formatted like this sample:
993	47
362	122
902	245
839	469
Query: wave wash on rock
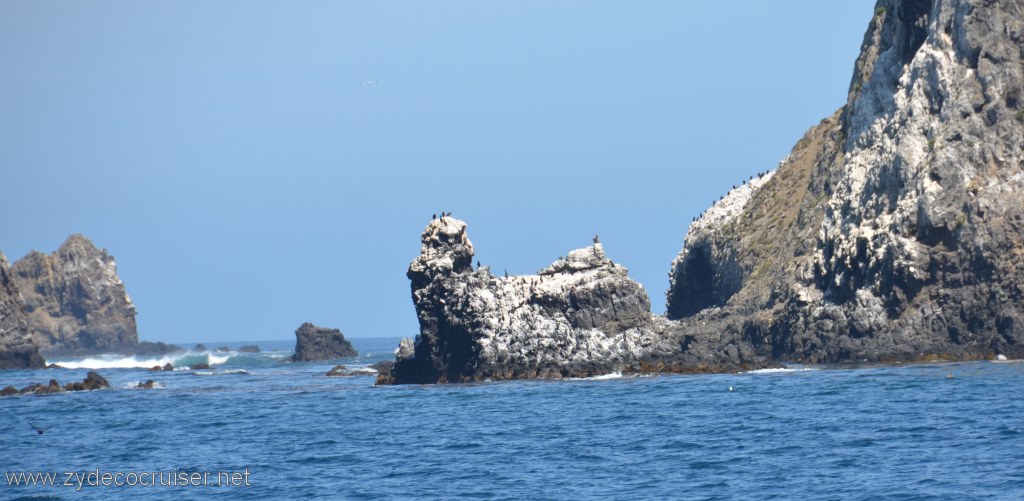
580	317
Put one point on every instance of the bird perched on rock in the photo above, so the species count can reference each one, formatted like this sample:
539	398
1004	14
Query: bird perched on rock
597	240
434	216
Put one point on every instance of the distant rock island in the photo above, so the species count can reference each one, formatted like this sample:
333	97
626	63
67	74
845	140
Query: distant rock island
893	232
313	343
73	302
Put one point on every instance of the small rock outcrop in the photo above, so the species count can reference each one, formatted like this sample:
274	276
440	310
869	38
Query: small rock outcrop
249	348
75	302
314	343
92	381
581	316
17	348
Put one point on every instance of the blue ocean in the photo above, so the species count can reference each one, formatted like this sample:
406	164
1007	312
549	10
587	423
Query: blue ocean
930	431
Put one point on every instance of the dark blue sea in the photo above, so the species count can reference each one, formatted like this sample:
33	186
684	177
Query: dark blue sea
940	431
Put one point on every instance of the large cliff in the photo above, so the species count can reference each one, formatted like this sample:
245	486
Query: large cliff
894	230
76	304
17	351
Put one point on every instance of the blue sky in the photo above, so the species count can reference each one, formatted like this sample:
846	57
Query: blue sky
231	157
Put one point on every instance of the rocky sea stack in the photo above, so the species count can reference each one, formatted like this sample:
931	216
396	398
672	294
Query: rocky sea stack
894	231
76	303
314	343
581	316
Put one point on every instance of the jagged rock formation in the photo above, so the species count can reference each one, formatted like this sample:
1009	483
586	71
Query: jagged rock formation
76	304
894	230
582	316
17	350
314	343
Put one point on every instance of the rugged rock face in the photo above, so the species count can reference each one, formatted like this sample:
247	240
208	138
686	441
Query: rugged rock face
314	343
76	304
17	350
582	316
894	230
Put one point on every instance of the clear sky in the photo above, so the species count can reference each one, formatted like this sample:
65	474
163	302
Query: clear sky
239	161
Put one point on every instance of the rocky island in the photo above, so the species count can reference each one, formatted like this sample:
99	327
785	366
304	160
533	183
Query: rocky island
313	343
893	232
75	303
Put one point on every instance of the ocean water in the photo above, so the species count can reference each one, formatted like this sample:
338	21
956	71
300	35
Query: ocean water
939	431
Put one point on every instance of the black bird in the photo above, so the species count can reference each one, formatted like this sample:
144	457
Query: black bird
596	239
434	216
478	265
40	430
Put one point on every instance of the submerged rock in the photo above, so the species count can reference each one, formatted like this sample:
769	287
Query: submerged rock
199	348
249	348
92	381
338	370
314	343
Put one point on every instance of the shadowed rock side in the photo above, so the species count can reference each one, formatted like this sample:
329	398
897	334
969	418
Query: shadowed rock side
582	316
314	343
17	350
895	230
76	304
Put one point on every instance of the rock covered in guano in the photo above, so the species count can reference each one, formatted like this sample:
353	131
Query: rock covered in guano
581	316
894	229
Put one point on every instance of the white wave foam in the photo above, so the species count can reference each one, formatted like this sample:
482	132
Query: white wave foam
117	362
780	370
134	385
602	377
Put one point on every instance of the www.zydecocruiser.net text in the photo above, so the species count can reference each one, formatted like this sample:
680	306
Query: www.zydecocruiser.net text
98	478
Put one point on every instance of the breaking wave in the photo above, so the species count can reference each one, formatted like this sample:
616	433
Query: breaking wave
781	370
178	360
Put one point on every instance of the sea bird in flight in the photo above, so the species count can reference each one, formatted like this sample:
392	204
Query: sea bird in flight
40	430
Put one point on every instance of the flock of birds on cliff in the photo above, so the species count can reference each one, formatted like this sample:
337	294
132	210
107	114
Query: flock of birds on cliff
759	175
